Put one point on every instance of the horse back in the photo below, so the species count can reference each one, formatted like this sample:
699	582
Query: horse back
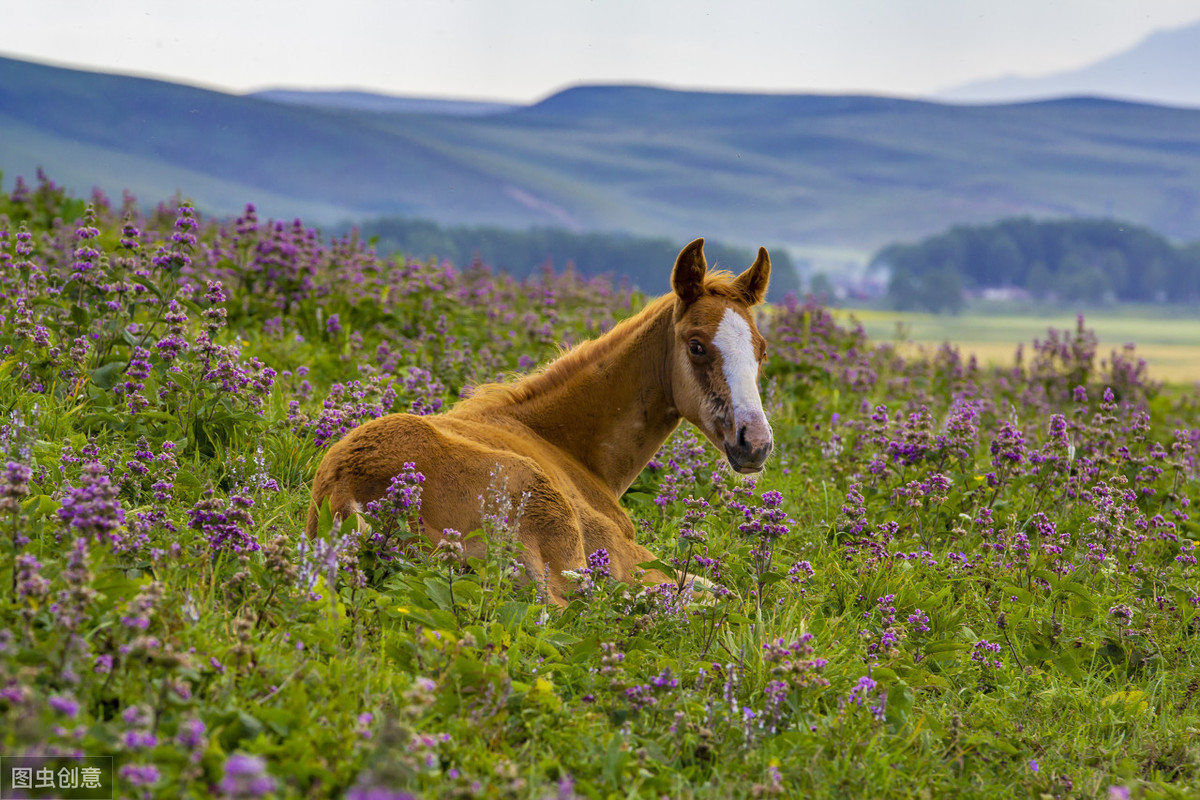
459	458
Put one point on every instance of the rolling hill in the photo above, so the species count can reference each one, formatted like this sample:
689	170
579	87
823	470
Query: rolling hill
853	172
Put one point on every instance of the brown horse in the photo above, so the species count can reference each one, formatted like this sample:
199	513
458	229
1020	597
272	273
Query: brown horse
575	435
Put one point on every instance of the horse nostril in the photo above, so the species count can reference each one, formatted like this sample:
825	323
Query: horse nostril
742	437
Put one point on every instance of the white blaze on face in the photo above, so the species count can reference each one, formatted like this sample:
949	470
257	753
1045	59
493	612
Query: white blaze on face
741	369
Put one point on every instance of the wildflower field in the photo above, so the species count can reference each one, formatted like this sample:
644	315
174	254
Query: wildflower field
1167	337
950	581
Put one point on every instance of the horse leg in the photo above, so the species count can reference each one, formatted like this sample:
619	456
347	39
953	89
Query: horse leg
614	533
551	534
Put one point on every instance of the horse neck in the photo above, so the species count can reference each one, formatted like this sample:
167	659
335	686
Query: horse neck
610	404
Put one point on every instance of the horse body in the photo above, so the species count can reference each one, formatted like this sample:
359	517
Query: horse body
572	438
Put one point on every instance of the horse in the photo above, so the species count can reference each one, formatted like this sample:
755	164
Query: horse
572	437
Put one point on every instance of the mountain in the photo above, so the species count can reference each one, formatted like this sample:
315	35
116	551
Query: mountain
381	103
842	172
1160	69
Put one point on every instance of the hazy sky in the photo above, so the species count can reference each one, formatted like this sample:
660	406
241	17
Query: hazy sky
522	50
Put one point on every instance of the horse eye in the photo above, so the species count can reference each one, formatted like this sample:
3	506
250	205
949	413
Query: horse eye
696	348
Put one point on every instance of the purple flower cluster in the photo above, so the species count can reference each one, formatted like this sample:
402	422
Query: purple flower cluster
226	525
347	406
961	432
399	510
767	521
914	438
14	486
597	571
918	622
92	509
425	390
865	694
984	653
793	662
28	579
1008	448
246	778
682	459
598	562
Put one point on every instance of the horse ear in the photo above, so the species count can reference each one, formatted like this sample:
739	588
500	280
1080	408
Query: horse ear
688	277
752	284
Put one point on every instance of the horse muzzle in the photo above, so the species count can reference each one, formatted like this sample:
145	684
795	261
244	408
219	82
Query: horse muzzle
746	455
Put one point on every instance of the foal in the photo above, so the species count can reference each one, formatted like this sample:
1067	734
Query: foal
575	435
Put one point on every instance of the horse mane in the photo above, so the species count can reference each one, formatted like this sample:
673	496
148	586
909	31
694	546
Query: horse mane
559	371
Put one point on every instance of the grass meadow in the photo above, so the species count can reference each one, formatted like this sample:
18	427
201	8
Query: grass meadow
953	579
1168	340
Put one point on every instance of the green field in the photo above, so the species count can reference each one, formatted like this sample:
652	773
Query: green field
942	585
1169	344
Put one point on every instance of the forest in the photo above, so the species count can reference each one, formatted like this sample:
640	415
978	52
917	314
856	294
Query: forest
1090	261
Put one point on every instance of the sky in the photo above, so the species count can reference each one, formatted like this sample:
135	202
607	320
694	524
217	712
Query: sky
523	50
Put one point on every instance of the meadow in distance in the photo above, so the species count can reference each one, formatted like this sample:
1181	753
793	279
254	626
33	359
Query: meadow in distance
951	580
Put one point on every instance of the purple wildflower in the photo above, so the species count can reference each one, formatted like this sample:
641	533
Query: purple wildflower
983	653
191	734
139	774
246	777
598	563
860	696
29	581
92	508
14	486
226	525
918	622
64	704
1008	448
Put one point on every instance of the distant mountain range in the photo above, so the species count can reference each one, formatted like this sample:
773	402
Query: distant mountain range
1162	68
808	171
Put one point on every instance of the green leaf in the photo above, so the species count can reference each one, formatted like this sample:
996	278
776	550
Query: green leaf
1084	603
659	565
1067	663
936	600
278	720
944	646
437	590
106	376
638	498
40	505
1023	595
899	704
769	578
466	590
512	614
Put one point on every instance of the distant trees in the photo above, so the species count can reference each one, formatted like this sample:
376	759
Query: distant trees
1090	261
645	262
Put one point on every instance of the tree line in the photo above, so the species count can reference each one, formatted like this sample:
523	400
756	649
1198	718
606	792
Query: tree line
644	262
1093	261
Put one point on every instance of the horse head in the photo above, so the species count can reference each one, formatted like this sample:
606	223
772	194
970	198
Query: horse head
718	352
